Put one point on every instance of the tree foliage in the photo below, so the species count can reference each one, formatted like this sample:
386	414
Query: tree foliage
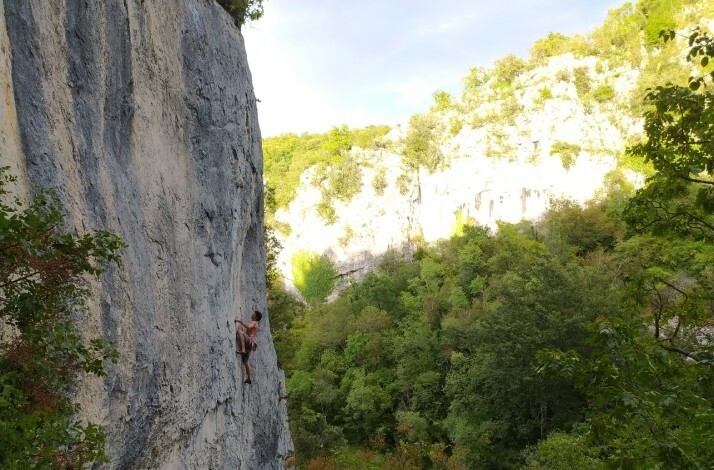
314	276
421	144
582	80
649	407
243	10
442	101
43	271
340	181
552	45
650	375
506	69
441	350
568	152
679	197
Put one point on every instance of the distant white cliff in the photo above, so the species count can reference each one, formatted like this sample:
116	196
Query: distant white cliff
501	170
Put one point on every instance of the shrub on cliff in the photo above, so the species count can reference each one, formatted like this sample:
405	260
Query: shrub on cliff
242	10
341	180
507	68
43	271
581	76
568	152
421	147
556	44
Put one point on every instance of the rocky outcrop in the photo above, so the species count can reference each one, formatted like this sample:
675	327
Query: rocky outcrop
142	116
473	189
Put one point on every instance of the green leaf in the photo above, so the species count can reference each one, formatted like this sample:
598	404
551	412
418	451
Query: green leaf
692	37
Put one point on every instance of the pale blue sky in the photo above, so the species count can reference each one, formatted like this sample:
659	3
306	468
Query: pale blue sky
321	63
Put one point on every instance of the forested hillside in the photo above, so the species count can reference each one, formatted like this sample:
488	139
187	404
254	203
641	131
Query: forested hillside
580	339
521	133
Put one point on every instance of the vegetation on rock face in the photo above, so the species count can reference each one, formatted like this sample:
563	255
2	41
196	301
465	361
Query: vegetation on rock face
582	80
421	145
568	152
603	92
442	101
288	156
243	10
43	291
379	181
272	245
337	182
506	69
557	44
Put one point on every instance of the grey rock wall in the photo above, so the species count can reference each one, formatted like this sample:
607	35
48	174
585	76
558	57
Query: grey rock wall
141	114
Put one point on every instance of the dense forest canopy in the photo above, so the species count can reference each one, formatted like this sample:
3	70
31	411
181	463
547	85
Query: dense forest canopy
580	340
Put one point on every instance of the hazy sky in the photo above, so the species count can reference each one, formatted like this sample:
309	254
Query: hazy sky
321	63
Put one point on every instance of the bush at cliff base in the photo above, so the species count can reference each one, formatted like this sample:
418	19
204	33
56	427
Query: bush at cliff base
43	273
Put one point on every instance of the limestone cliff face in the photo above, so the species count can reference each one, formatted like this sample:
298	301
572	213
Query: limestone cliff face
142	115
501	166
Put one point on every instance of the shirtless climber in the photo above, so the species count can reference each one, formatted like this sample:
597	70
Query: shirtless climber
248	338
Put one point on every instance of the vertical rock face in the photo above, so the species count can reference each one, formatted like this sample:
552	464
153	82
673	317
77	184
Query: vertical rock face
141	115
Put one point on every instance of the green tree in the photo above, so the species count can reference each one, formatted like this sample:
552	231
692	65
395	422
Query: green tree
618	38
679	197
272	245
531	298
43	270
476	78
507	68
340	180
286	315
314	276
562	451
379	181
473	83
603	93
649	407
649	377
442	100
660	15
243	10
338	141
288	156
421	144
581	76
586	229
552	45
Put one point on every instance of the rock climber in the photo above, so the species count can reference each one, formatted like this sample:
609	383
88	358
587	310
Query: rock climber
247	338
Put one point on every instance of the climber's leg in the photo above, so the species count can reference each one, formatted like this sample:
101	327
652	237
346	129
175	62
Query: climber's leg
247	370
241	341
